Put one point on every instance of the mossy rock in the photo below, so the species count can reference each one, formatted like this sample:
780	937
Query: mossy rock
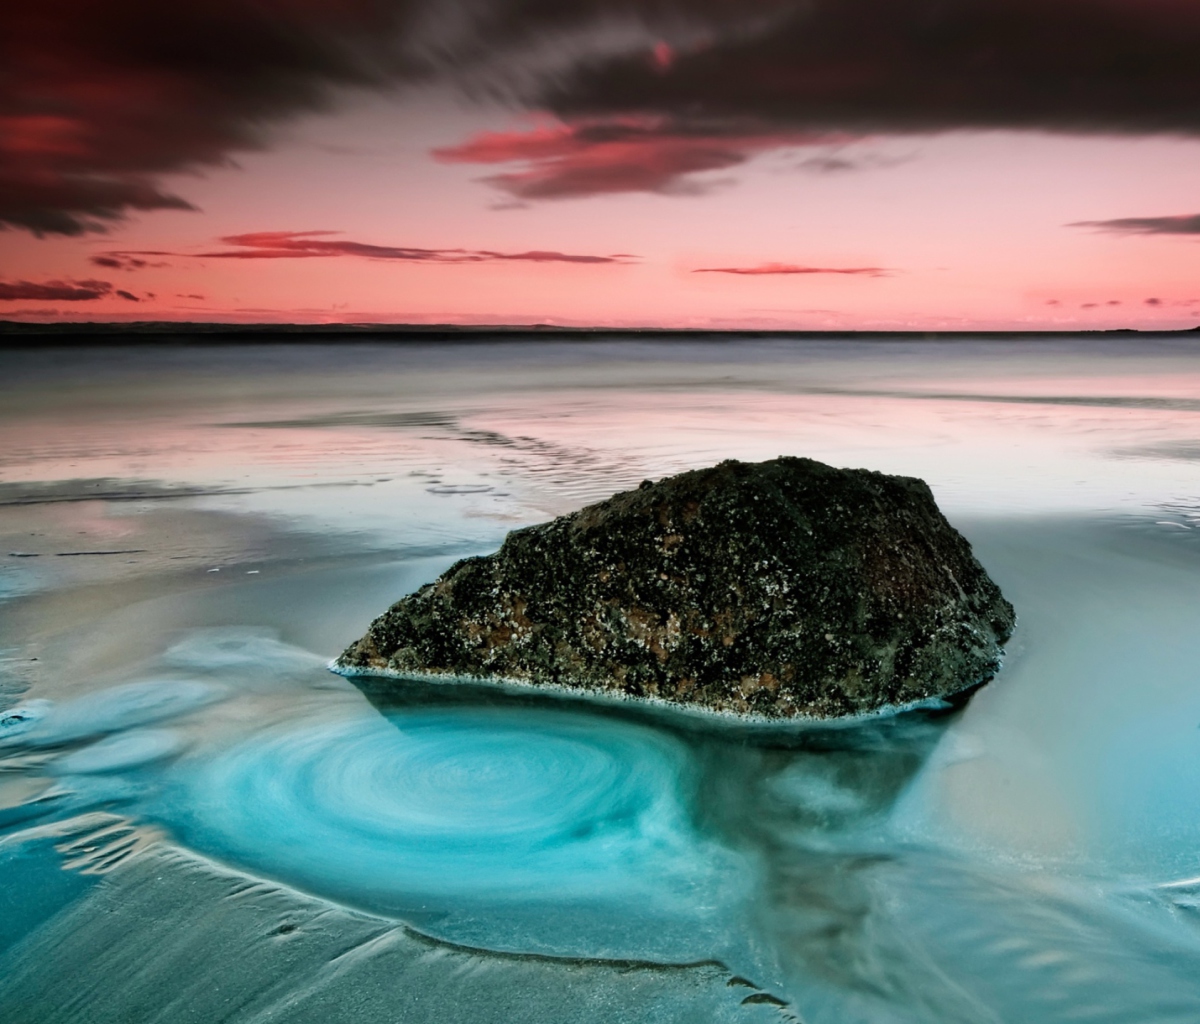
778	589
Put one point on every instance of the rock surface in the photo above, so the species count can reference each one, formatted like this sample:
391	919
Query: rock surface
776	589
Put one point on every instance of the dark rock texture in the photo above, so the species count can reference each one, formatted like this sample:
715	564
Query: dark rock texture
775	589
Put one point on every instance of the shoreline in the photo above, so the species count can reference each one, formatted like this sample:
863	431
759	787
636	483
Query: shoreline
26	334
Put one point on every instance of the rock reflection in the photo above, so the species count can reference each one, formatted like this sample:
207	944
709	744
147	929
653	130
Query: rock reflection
870	924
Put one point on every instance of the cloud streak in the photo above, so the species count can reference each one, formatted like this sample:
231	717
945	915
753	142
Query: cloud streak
568	161
769	269
60	291
122	261
1188	224
293	245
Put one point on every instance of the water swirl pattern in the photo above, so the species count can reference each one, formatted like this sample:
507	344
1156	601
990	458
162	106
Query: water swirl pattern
481	804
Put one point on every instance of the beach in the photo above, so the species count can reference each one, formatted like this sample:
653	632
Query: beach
198	817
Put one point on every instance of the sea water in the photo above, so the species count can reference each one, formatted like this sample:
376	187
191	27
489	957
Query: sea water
198	818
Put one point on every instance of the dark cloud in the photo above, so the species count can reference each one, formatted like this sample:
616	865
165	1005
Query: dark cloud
922	65
99	101
128	296
123	261
1189	224
791	268
870	67
53	291
292	245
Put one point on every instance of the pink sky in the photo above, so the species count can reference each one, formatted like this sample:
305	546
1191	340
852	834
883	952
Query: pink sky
793	205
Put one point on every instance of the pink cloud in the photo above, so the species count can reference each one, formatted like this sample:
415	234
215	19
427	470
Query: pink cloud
292	245
792	268
122	261
589	158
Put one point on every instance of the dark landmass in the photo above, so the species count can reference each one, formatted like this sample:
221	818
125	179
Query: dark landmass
19	334
780	590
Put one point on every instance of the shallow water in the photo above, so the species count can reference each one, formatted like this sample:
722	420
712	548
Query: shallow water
197	817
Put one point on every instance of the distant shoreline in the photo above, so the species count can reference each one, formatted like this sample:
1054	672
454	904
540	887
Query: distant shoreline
20	334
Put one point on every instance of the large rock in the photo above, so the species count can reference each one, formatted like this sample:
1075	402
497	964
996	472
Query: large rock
774	589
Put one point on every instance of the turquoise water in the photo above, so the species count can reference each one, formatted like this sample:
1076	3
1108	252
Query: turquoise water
189	536
516	828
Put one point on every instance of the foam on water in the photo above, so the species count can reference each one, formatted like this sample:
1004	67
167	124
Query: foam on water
118	753
42	724
23	718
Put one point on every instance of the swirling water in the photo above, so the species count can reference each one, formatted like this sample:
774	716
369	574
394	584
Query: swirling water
515	828
197	818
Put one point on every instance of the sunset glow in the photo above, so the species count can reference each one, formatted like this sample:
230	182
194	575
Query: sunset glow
844	164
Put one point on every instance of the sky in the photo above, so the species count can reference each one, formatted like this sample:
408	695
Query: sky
773	164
